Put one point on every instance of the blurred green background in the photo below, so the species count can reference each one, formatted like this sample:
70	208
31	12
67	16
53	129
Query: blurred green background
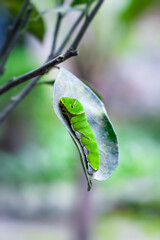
42	187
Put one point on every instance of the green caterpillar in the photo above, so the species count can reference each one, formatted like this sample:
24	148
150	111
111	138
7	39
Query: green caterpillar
75	113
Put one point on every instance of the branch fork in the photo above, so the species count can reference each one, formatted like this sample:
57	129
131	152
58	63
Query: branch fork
36	74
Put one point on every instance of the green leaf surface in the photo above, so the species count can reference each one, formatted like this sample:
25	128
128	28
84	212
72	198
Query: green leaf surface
79	2
36	24
135	7
67	85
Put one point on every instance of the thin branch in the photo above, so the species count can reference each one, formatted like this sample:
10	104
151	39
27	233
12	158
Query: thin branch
70	33
28	88
42	70
87	22
56	31
37	72
14	39
12	30
58	23
64	43
45	68
48	82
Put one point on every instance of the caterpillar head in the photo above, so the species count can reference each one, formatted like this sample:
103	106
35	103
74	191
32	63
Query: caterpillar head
71	105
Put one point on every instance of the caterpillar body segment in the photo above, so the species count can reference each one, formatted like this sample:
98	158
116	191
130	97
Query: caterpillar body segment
75	113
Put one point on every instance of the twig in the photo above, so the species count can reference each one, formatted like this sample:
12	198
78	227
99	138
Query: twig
61	48
28	88
46	67
14	40
37	72
87	22
70	33
12	29
12	34
42	70
58	23
56	31
48	82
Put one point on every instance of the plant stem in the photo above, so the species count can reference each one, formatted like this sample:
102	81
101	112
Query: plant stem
13	34
37	72
28	88
56	31
87	22
70	33
58	23
48	82
42	70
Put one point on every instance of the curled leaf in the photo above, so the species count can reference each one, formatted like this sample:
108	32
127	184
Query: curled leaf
67	85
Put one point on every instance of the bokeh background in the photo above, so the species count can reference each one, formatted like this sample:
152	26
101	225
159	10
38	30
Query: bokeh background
43	192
